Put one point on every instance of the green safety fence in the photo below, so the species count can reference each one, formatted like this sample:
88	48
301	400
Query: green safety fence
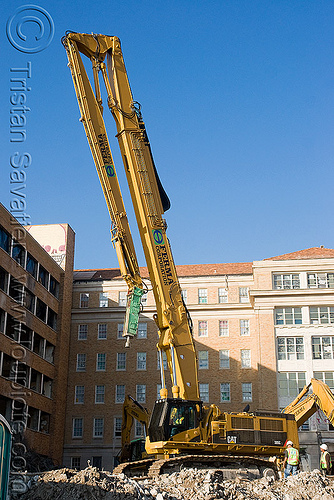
5	448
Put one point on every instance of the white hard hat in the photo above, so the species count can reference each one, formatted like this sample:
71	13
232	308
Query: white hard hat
289	443
324	447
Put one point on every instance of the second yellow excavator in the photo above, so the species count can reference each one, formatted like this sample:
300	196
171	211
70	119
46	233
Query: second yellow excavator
321	398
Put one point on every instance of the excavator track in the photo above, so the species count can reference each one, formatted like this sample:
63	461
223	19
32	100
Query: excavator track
230	465
137	468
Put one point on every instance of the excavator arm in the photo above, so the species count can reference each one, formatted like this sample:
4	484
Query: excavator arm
148	198
90	104
131	410
321	398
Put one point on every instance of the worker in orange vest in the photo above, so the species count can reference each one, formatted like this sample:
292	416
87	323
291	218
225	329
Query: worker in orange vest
291	460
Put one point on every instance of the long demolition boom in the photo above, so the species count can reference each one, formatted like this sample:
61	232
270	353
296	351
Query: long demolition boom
148	198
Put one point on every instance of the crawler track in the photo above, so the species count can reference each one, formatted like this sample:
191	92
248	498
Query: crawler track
137	468
232	464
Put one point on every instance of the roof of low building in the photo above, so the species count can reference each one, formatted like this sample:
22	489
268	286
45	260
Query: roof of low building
193	270
308	253
239	268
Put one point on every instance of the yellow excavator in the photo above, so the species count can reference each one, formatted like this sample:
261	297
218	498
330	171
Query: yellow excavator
305	404
132	450
181	430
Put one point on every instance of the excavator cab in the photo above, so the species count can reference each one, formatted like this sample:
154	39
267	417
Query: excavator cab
173	416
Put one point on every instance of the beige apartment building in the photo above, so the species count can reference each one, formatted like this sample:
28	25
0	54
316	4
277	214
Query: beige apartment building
35	315
296	293
261	329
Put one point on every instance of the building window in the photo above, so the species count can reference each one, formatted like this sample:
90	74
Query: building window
75	462
321	315
142	331
288	316
79	394
97	461
326	377
139	430
184	296
243	294
247	392
118	427
223	328
323	347
103	299
98	427
122	298
120	327
81	362
101	362
320	280
29	301
291	383
102	331
164	360
245	358
305	426
34	418
84	299
43	277
4	240
286	281
45	422
141	360
244	327
120	393
202	328
4	278
31	265
54	287
222	295
16	290
202	296
290	348
49	348
82	332
77	429
13	326
99	394
41	310
121	361
203	360
18	254
52	319
143	299
224	359
141	393
38	345
225	395
204	392
35	380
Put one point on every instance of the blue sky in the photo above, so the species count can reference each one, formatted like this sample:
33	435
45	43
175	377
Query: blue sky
238	101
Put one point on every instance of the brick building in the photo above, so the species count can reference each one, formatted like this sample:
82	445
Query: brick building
256	334
35	315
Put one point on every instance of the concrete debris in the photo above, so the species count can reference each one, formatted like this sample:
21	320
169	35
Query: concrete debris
188	484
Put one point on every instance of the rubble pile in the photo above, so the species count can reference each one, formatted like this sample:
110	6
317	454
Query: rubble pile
188	484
